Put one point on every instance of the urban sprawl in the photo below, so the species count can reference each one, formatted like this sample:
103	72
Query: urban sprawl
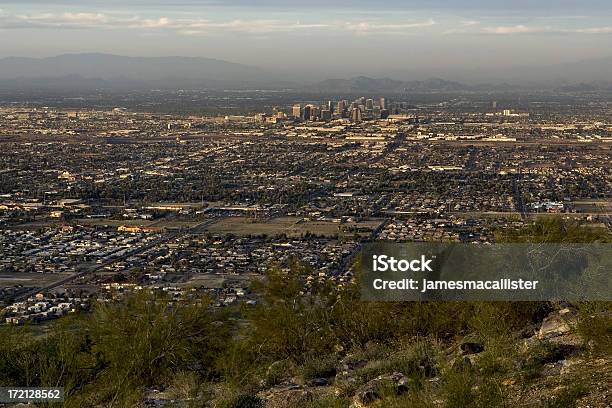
96	203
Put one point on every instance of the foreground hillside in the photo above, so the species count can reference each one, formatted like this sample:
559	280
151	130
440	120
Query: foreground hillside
320	346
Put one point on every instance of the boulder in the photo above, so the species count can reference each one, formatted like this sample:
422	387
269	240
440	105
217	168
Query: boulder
291	394
397	383
557	324
470	347
318	382
286	396
344	373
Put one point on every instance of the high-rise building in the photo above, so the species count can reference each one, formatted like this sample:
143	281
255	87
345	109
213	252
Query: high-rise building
356	115
384	113
296	112
382	103
306	112
330	106
369	104
341	107
326	114
314	112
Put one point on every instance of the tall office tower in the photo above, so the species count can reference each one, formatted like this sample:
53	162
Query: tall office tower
384	113
326	114
494	105
330	106
296	112
369	104
356	115
306	112
314	112
382	103
341	107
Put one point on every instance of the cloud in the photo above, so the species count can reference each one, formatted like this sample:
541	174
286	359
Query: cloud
365	27
114	21
516	29
594	30
201	26
523	29
193	26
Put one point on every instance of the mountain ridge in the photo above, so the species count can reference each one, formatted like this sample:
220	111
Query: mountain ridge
109	66
109	71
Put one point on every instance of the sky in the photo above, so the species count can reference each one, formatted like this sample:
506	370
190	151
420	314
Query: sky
319	37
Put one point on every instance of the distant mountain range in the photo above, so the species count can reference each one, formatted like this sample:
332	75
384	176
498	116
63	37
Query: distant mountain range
106	66
105	71
365	84
114	71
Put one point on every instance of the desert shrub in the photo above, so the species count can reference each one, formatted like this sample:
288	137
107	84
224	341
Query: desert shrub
277	372
539	354
319	367
327	402
182	385
46	361
555	230
110	356
464	388
595	325
240	400
416	360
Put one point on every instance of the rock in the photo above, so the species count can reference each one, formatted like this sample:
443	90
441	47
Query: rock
318	382
569	365
286	395
349	365
156	398
530	342
528	331
557	324
290	394
372	390
344	373
551	369
470	347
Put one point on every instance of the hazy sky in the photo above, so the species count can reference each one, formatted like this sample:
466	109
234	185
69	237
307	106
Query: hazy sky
331	37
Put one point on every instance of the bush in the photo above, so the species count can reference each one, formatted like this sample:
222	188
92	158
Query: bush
595	325
463	388
241	401
540	354
319	367
110	357
416	360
